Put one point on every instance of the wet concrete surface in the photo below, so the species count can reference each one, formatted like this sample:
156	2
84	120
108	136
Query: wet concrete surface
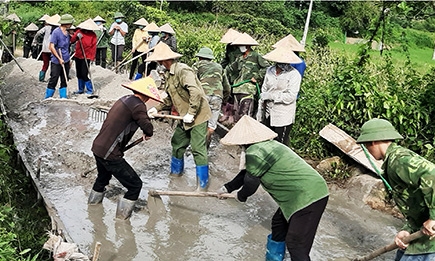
60	134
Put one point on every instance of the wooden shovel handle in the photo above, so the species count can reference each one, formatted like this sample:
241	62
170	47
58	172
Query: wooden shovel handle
156	193
168	116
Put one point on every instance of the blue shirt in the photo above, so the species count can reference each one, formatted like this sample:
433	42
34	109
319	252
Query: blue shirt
61	42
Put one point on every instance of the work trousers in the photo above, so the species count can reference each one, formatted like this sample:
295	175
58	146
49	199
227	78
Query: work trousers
299	232
101	56
82	69
283	132
45	61
119	51
134	63
196	137
122	171
151	66
244	105
6	57
400	256
56	72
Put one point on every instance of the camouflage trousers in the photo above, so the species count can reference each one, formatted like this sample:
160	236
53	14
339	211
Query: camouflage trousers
244	104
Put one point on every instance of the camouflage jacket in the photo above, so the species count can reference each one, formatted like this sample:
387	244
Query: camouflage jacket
246	68
231	54
412	179
104	36
210	75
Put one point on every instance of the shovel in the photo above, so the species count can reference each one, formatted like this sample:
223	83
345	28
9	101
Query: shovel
63	66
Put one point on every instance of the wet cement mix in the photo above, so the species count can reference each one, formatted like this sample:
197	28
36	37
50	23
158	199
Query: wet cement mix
58	133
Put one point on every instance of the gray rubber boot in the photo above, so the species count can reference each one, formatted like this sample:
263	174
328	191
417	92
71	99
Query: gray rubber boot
95	197
125	208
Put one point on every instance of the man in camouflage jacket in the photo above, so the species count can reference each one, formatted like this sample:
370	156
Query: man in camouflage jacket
410	180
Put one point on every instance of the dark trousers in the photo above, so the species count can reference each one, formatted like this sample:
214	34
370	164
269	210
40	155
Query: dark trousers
122	171
6	57
134	63
82	69
151	66
45	61
283	132
56	72
101	57
299	232
119	50
244	105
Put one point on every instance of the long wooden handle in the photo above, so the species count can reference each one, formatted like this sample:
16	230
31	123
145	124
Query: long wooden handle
168	116
97	251
390	247
156	193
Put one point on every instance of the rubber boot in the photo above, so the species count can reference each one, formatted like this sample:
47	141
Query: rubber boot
81	84
89	87
41	76
95	197
177	166
125	208
138	76
275	251
202	177
62	93
49	93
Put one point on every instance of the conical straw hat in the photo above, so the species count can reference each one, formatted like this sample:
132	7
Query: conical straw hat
162	52
13	17
44	17
31	27
53	20
152	27
282	55
72	27
230	36
291	43
145	86
99	19
247	131
141	21
88	25
167	29
244	39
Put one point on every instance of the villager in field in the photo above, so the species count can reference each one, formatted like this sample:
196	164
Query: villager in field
118	30
9	36
153	39
209	74
86	49
127	115
245	76
277	104
290	42
187	97
410	181
60	57
168	36
102	42
300	192
51	23
40	39
139	44
30	32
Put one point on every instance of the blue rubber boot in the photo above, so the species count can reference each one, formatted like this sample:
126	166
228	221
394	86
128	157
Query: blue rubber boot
41	76
202	177
275	251
138	76
177	166
89	87
62	93
49	93
81	84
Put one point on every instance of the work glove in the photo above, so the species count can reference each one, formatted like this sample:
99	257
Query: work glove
221	191
80	35
259	115
151	112
188	118
266	96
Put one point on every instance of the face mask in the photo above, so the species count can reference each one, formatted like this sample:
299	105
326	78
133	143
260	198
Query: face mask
98	23
243	48
118	20
141	27
284	66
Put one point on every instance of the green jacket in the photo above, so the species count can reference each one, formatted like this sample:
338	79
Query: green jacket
412	179
185	94
104	42
246	68
231	54
291	182
210	75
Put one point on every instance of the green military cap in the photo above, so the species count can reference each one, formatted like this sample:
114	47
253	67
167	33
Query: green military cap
206	53
118	15
377	130
66	19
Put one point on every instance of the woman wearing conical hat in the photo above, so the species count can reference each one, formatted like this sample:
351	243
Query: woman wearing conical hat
102	41
139	44
168	36
30	30
300	192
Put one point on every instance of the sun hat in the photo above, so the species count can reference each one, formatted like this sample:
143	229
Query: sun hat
142	22
282	55
99	19
230	36
248	131
206	53
162	52
118	15
13	17
44	17
377	130
89	25
72	27
244	39
31	27
291	43
166	28
145	86
152	27
53	20
66	19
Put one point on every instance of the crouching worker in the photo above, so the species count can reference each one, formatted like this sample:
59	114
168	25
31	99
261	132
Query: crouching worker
300	192
410	180
123	119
